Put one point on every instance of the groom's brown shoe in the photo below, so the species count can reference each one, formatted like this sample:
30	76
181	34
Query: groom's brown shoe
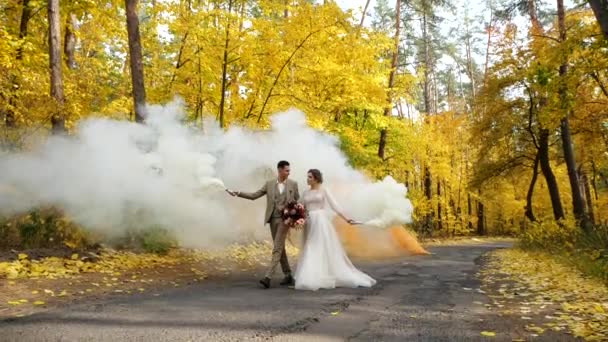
265	282
288	280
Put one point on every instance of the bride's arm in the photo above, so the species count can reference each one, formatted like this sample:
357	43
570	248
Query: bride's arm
334	205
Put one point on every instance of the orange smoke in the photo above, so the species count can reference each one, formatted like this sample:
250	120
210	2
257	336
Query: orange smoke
373	243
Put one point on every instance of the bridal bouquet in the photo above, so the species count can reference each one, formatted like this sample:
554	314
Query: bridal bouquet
294	215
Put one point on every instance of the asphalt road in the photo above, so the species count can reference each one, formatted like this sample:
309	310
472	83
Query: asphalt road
426	298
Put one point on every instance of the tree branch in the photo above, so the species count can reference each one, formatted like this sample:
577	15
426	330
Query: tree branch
276	80
596	77
546	37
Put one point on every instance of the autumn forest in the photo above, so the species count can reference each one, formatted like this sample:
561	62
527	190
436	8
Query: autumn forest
497	126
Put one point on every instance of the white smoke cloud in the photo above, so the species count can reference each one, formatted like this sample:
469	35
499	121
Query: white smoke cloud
113	175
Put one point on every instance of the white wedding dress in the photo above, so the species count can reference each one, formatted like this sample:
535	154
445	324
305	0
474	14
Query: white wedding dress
323	264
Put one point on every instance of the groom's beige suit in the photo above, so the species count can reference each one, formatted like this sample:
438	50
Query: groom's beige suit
278	195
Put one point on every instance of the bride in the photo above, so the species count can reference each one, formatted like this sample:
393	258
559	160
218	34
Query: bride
323	264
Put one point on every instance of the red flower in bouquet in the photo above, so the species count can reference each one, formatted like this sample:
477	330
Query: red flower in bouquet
294	215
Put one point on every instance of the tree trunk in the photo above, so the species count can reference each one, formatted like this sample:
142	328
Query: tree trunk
543	140
439	208
136	62
545	166
533	14
225	70
469	211
428	192
435	91
481	219
529	210
179	63
23	24
234	84
588	198
364	13
382	143
57	118
594	185
391	80
470	70
199	95
427	61
488	44
69	43
594	180
428	109
10	120
450	208
600	9
578	203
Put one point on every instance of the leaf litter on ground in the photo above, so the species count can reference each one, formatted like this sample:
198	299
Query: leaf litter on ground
30	285
576	303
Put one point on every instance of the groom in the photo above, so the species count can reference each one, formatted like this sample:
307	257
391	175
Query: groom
279	192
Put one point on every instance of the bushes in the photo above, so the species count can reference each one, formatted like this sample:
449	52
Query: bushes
587	251
43	228
152	239
591	253
157	240
48	228
549	234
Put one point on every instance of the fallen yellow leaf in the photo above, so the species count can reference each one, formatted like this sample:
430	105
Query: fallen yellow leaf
488	333
39	302
599	308
535	329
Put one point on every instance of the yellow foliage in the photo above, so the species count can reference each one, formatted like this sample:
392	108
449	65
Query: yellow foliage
317	60
315	57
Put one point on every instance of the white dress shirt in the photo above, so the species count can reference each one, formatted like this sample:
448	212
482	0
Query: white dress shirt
281	186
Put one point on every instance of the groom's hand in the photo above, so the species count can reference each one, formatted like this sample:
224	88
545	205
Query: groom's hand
232	193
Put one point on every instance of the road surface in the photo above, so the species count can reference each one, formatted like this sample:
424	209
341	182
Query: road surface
425	298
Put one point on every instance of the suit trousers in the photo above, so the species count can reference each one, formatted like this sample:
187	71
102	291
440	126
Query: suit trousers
279	233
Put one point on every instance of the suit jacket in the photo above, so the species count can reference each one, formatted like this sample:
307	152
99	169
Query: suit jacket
271	190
